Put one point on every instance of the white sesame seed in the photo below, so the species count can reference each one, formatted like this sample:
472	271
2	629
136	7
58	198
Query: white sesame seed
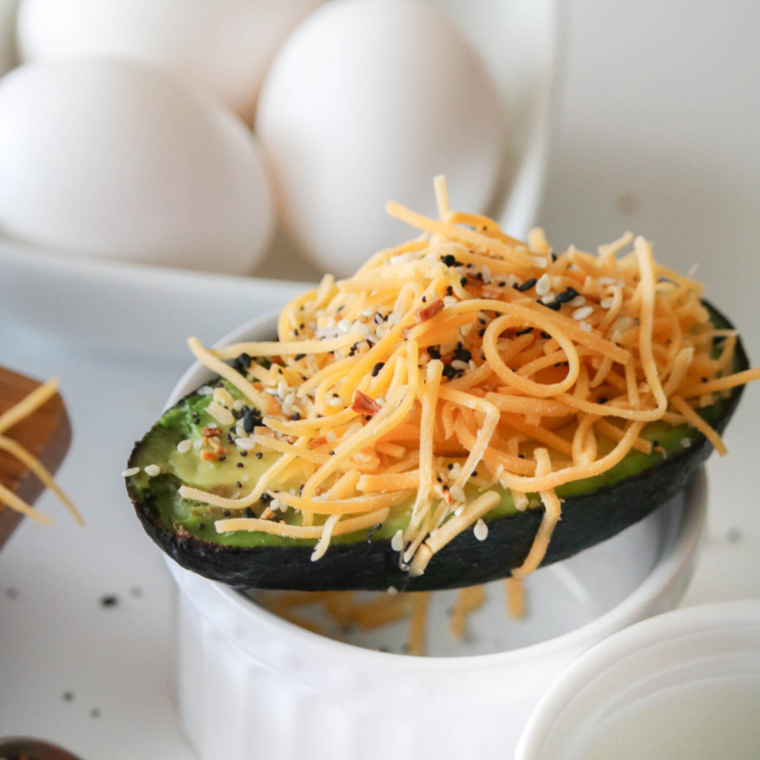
458	511
548	298
481	530
222	396
586	326
514	280
539	262
130	472
450	301
392	590
473	366
577	301
459	364
274	505
197	443
544	285
205	390
220	414
465	331
184	446
486	275
582	313
344	326
245	443
335	401
282	389
290	398
397	542
152	470
686	443
457	493
245	478
331	436
607	303
238	405
622	324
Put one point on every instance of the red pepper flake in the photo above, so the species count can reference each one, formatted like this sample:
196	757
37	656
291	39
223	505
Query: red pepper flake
364	404
211	431
429	311
209	456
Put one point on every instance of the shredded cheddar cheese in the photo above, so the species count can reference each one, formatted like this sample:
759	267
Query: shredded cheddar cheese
13	416
459	370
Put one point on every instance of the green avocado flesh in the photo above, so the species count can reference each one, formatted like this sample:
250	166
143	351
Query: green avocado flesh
178	515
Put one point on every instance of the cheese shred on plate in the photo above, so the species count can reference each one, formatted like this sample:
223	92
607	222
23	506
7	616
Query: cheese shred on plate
13	416
462	366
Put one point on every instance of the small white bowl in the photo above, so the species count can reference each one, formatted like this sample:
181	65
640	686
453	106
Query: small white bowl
252	685
682	685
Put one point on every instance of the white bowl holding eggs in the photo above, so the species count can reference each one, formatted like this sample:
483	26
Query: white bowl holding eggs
252	685
517	40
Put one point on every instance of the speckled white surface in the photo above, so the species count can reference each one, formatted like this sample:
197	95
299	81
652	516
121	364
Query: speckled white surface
659	118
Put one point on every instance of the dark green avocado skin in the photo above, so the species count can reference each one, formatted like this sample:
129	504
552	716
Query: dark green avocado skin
587	519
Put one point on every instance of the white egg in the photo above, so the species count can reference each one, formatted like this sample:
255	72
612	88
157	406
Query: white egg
7	35
367	101
222	45
114	159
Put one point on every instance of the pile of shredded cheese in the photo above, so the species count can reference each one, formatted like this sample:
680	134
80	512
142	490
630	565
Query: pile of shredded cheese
455	366
13	416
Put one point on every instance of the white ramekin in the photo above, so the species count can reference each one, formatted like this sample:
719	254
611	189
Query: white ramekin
697	648
252	685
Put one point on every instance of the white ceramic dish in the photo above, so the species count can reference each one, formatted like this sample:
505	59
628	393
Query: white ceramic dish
698	667
154	309
253	685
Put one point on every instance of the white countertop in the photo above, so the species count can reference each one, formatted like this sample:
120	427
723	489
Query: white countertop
659	118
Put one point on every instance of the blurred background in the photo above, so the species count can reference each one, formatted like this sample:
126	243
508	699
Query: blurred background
154	153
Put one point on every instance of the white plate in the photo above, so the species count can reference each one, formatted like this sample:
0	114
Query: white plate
151	310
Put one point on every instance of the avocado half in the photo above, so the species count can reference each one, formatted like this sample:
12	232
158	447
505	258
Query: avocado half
593	510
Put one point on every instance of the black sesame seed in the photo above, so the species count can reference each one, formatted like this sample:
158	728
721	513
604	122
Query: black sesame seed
602	400
295	416
243	453
449	372
474	473
259	455
248	423
265	498
226	513
238	484
298	357
222	458
481	333
110	600
201	526
567	295
463	354
545	335
448	260
524	332
376	369
527	285
248	512
463	281
433	352
331	453
553	305
240	464
521	456
450	466
449	291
